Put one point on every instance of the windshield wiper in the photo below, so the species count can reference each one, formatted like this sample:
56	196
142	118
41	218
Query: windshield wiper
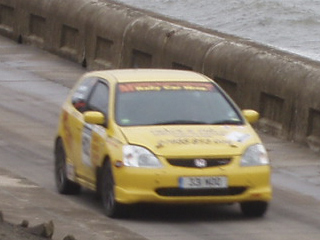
228	122
186	122
177	122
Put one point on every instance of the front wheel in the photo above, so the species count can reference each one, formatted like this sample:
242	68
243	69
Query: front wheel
64	185
254	209
112	208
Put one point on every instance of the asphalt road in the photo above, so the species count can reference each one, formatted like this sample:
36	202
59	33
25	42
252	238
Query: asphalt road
33	85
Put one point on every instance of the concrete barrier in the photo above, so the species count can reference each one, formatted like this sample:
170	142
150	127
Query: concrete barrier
105	30
282	87
101	34
34	22
267	81
67	21
144	41
151	42
9	18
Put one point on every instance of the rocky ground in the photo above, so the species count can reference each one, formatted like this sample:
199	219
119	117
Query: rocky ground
23	231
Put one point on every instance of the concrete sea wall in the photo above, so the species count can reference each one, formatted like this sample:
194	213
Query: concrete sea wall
100	34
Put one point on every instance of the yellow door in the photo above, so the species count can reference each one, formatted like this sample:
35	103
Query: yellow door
89	137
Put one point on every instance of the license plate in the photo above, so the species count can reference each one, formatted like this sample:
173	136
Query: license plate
203	182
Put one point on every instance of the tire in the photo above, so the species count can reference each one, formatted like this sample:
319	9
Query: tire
254	209
63	184
112	208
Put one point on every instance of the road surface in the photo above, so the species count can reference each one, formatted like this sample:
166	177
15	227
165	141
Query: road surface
33	85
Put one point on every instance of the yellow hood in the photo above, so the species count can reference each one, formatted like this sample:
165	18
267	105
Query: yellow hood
194	140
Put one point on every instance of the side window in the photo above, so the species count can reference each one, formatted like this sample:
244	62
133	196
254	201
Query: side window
99	99
80	96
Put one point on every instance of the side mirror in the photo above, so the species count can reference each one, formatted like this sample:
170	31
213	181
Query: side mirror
251	115
94	117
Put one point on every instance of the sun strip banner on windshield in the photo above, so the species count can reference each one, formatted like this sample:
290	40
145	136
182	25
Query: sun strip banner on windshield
166	86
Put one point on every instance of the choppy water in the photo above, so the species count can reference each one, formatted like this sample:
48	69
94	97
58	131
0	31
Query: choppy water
291	25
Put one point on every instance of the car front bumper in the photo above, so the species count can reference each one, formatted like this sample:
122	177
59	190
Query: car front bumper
162	185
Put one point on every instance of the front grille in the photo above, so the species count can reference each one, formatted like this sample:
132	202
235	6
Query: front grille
178	192
190	163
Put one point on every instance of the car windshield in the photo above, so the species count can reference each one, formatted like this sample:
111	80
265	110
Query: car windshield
169	103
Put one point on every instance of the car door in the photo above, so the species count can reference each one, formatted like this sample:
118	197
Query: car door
79	102
93	136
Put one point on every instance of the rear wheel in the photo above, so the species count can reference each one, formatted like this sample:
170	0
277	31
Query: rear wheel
254	209
112	208
64	185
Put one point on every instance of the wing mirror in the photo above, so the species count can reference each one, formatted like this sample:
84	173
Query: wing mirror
251	115
94	117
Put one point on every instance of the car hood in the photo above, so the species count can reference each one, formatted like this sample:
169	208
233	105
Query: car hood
205	140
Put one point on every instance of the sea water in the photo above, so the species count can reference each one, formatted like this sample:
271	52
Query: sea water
290	25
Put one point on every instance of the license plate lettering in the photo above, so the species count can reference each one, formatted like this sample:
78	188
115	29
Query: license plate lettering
203	182
213	181
195	182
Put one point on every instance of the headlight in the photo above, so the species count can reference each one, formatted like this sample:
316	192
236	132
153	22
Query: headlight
255	155
135	156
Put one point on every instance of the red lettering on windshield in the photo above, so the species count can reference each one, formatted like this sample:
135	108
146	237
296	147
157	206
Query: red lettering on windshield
167	86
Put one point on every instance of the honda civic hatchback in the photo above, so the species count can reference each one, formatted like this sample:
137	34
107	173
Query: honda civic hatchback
160	136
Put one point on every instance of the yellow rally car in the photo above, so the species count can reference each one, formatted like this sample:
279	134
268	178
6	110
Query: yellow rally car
160	136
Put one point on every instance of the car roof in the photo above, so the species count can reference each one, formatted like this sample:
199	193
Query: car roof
149	75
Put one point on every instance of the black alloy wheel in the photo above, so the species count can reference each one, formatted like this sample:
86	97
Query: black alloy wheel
112	208
63	184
